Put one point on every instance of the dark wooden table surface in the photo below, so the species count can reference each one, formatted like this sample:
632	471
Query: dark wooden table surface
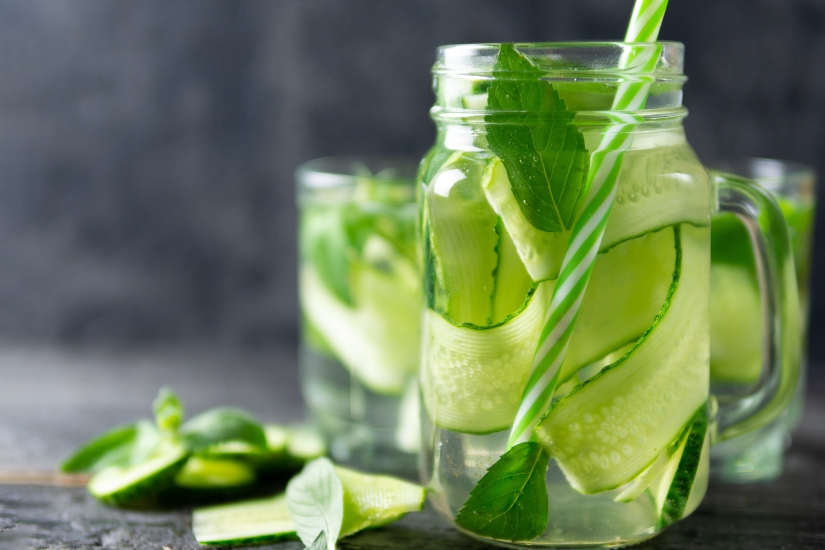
51	399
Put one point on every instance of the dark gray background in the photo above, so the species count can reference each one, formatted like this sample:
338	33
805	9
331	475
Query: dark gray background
147	147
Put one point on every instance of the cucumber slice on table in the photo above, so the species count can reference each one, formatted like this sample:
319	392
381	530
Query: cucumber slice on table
373	501
250	522
140	485
614	426
212	473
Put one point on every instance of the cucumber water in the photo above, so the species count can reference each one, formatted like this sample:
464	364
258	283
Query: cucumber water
360	297
626	456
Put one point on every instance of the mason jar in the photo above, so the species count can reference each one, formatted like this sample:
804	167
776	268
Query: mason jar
557	222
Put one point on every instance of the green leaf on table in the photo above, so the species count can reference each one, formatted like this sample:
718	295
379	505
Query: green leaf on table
121	446
105	450
531	130
315	498
168	410
510	501
221	425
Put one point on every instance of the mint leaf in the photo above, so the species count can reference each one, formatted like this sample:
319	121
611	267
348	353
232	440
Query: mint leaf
121	446
221	425
510	501
315	499
541	148
110	448
168	410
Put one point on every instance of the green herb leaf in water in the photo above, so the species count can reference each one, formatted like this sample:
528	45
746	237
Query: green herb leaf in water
510	501
531	130
315	498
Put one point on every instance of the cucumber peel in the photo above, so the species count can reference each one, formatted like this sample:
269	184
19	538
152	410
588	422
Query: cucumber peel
141	485
250	522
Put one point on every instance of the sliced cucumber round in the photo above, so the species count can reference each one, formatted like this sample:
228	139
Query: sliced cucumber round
140	485
212	473
473	376
611	428
250	522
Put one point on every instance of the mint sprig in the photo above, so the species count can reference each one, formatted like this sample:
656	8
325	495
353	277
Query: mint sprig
530	128
510	501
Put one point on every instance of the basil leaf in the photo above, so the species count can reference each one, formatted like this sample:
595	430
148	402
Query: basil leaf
121	446
510	501
315	498
542	150
221	425
168	410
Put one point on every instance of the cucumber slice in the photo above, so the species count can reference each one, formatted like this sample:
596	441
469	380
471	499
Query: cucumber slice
635	212
657	189
305	443
211	473
512	282
140	485
541	252
629	284
680	488
463	239
612	427
469	393
736	325
250	522
373	501
474	376
475	102
377	339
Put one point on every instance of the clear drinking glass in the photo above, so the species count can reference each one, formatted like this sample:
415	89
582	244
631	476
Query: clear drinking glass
736	322
360	297
629	430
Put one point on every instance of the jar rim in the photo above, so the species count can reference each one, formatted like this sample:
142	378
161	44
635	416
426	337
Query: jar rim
580	58
348	170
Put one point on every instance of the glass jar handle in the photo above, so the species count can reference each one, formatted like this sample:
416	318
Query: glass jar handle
769	235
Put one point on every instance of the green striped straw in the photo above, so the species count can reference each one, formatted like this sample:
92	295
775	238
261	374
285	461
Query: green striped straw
586	237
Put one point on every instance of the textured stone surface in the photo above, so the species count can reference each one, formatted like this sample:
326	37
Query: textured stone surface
147	146
92	391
